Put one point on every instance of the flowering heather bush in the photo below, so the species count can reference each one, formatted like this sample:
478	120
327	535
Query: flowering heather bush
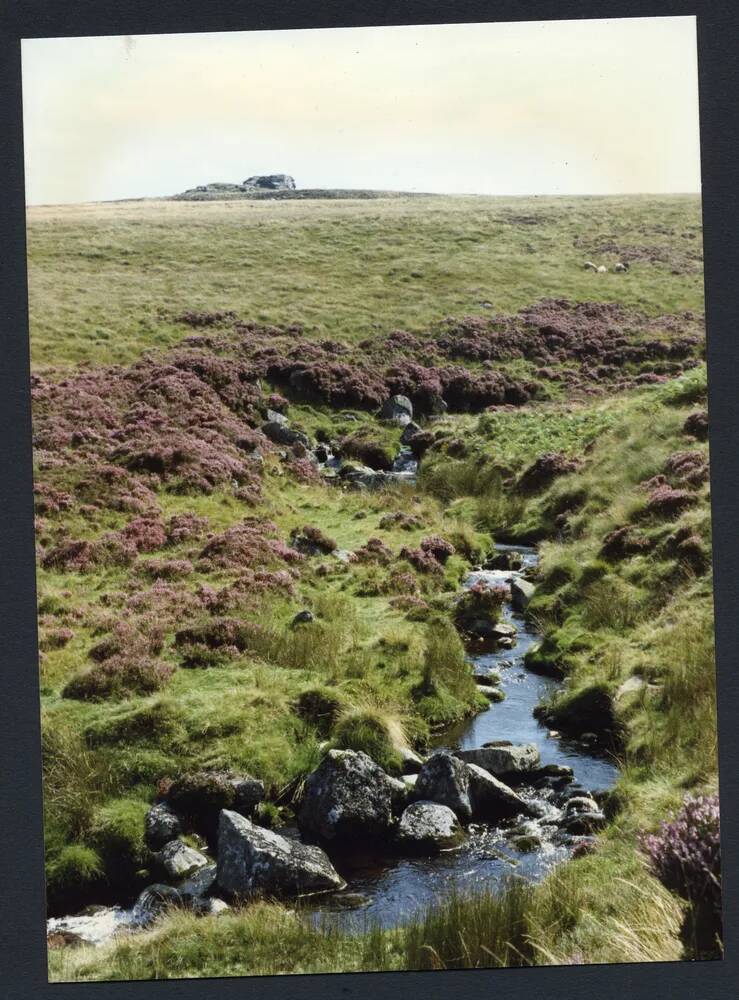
374	550
311	540
55	638
685	854
407	522
402	582
248	589
183	527
303	469
145	534
667	502
81	556
624	542
248	545
544	470
197	319
688	547
277	402
688	466
118	677
697	425
423	561
481	601
48	500
437	547
166	569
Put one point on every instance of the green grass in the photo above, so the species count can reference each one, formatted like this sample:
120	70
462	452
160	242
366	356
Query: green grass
105	281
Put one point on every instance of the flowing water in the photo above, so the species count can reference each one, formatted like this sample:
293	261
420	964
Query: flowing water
386	890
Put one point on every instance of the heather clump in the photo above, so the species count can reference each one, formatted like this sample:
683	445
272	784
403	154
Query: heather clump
685	854
374	550
420	559
402	520
542	472
697	425
664	501
437	547
689	467
119	676
310	540
249	544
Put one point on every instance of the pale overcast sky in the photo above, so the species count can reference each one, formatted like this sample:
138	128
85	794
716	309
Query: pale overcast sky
559	107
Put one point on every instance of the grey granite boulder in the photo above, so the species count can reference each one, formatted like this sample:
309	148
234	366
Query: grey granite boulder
521	593
445	779
397	408
491	800
178	860
428	827
349	797
161	825
253	861
505	761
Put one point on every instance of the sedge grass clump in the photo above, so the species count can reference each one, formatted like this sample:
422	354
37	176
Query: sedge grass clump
321	707
375	732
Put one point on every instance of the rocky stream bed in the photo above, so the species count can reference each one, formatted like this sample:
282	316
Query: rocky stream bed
499	794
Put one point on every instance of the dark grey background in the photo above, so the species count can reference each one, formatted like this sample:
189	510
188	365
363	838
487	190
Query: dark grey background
22	932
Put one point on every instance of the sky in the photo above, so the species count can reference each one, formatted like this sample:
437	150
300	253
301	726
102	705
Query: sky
558	107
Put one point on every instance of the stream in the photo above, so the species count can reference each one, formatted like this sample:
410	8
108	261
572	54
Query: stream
388	890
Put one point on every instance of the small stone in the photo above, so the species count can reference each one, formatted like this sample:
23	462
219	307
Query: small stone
178	860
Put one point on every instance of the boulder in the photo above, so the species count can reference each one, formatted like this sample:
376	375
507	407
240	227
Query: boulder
153	901
397	408
178	860
200	796
269	182
409	432
429	827
273	417
412	763
582	815
210	906
349	797
253	861
199	885
491	800
445	779
279	433
161	825
302	618
507	762
521	593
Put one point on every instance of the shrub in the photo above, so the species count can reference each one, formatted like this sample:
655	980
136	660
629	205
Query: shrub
545	470
697	425
437	547
311	540
423	561
374	550
664	501
118	677
685	854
